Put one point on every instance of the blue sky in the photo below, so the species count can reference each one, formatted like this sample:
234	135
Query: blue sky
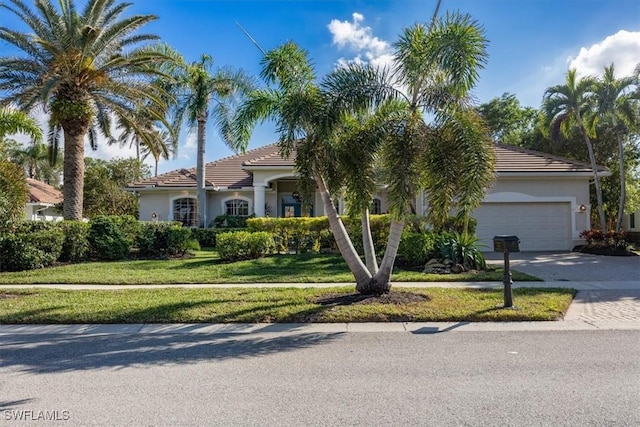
532	43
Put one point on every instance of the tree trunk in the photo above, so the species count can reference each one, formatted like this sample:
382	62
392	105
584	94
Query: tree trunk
73	181
355	264
623	184
382	278
596	178
200	171
367	244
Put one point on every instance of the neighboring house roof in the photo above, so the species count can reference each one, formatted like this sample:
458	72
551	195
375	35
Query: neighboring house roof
234	171
40	192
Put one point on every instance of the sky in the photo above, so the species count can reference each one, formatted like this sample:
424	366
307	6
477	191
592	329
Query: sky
532	43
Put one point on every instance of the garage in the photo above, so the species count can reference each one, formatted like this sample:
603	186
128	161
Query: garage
540	226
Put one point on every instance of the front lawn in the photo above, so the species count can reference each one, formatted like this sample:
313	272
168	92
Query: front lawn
287	305
206	267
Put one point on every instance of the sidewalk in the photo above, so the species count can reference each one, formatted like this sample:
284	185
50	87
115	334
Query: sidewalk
578	285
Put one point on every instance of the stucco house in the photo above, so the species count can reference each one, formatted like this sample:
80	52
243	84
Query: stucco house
42	201
543	199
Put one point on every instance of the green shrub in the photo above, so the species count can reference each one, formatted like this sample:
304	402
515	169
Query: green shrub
206	237
33	244
415	248
163	239
239	245
230	221
110	237
302	234
310	234
75	247
461	249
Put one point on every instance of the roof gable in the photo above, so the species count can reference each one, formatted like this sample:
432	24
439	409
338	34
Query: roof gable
40	192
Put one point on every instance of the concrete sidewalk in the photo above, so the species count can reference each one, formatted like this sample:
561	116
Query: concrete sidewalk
577	285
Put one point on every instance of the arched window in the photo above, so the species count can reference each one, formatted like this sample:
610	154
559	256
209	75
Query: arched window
376	206
237	207
185	210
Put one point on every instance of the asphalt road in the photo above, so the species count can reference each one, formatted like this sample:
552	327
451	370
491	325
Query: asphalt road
576	378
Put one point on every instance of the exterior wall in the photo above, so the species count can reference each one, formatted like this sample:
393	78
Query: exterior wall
38	212
626	222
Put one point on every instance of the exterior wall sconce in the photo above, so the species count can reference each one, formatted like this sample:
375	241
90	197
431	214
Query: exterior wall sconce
296	196
582	208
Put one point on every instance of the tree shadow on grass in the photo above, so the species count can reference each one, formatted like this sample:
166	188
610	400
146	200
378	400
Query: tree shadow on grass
56	353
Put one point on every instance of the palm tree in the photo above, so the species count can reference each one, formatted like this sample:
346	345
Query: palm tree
83	67
149	137
566	105
450	157
13	121
14	193
201	92
358	119
616	104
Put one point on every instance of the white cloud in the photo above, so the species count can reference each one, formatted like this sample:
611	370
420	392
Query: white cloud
622	49
188	149
359	39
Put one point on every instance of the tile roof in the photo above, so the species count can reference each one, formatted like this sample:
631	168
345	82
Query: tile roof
40	192
230	171
515	159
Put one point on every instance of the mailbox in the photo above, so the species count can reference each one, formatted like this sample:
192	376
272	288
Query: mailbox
506	243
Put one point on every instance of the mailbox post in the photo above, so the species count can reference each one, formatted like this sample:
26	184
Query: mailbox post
506	244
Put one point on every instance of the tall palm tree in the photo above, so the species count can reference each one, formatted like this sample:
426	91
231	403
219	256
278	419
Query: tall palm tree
200	93
566	105
14	121
83	67
616	104
359	117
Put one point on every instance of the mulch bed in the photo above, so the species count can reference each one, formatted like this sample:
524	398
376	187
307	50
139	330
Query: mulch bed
397	298
603	250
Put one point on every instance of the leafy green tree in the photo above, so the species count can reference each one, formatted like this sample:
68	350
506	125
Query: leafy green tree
104	184
83	66
567	104
617	105
357	120
201	92
508	122
14	193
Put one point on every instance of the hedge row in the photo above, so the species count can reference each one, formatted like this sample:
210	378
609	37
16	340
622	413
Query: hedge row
36	244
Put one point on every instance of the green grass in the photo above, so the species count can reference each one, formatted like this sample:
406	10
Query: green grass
206	267
274	305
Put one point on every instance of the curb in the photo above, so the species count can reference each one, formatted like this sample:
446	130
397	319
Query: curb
315	328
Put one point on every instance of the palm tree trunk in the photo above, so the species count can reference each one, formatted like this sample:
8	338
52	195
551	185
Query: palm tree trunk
73	182
355	264
623	184
383	276
200	171
367	244
596	178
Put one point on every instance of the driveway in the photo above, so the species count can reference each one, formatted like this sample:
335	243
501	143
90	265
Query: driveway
572	266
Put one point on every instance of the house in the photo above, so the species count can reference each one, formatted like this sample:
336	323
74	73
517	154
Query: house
42	201
631	222
543	199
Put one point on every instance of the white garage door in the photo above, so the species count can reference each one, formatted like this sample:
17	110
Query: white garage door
540	226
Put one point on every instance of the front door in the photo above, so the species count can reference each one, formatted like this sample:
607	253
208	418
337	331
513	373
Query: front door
290	210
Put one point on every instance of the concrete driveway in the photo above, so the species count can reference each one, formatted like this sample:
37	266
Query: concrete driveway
572	266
